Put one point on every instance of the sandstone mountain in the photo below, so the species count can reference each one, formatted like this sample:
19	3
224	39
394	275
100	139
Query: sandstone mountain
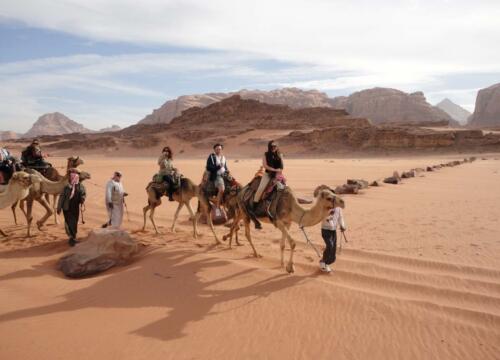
8	135
293	97
54	124
487	109
382	105
456	112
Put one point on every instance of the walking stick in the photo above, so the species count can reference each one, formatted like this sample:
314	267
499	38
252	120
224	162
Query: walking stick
310	242
340	241
126	209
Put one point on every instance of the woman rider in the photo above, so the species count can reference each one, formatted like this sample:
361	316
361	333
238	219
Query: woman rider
273	164
167	170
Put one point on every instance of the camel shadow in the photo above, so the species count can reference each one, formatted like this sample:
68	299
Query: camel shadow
171	281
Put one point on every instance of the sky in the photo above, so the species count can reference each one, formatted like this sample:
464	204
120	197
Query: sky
104	62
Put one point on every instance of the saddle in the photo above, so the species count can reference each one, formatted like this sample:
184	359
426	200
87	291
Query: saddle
268	204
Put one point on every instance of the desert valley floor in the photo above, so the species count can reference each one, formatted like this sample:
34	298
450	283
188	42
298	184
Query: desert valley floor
419	278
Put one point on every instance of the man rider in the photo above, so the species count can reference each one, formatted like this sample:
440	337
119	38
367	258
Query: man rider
32	156
217	169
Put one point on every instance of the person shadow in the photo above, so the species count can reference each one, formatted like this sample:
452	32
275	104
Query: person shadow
174	281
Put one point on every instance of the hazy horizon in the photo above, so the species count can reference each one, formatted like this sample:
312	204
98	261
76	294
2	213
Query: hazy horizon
112	62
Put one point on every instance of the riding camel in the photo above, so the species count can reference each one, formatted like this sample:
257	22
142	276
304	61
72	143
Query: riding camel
288	211
38	193
183	195
52	174
17	189
228	201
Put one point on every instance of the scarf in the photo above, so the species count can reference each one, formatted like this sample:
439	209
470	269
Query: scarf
74	179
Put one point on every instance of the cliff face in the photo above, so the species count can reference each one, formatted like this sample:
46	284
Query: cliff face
487	109
55	124
295	98
8	135
382	105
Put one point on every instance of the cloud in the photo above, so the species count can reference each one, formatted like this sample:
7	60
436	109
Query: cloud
426	37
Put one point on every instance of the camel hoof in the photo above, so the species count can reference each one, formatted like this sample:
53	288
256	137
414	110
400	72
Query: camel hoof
290	268
224	238
39	225
258	256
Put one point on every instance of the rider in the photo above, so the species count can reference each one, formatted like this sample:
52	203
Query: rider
7	165
217	168
273	164
32	156
167	170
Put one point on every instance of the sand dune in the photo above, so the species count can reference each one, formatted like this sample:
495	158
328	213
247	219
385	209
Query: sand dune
419	278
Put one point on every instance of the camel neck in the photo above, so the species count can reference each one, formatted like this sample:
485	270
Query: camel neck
308	217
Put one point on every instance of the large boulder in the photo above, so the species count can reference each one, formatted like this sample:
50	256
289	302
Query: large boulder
487	109
101	250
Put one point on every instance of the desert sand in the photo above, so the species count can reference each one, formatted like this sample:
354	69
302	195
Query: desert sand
419	278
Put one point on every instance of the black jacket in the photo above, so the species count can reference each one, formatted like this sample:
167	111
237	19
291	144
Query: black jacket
64	199
212	166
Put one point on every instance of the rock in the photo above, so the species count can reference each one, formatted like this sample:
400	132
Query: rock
487	109
408	174
472	159
347	189
394	179
429	168
362	184
101	250
375	183
383	105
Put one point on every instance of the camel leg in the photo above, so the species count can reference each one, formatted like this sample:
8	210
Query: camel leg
48	212
282	248
209	220
179	207
192	217
284	229
2	233
13	208
249	237
29	218
144	212
54	209
152	217
21	206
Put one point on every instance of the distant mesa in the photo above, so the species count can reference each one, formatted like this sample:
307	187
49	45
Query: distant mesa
112	128
456	112
8	135
487	109
55	124
293	97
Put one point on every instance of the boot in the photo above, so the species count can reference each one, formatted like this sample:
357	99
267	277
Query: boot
251	211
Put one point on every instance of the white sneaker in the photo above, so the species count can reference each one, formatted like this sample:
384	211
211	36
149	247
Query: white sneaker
322	265
328	269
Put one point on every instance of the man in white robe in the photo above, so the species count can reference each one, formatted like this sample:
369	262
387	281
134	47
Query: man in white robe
115	200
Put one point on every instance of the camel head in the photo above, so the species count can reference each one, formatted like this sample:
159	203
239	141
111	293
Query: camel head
74	161
23	178
84	175
337	200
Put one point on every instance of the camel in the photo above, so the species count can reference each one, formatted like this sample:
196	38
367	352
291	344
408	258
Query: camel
52	174
38	193
182	195
229	202
288	211
17	189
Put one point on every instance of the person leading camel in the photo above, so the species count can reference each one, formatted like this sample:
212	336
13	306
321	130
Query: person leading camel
167	170
217	168
72	196
329	235
115	201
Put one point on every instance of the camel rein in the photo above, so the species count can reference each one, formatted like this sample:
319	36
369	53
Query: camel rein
301	227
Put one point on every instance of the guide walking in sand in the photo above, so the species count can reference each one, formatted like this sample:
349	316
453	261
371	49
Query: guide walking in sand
115	200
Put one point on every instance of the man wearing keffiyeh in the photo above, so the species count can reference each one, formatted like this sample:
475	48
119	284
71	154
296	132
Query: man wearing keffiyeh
72	196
